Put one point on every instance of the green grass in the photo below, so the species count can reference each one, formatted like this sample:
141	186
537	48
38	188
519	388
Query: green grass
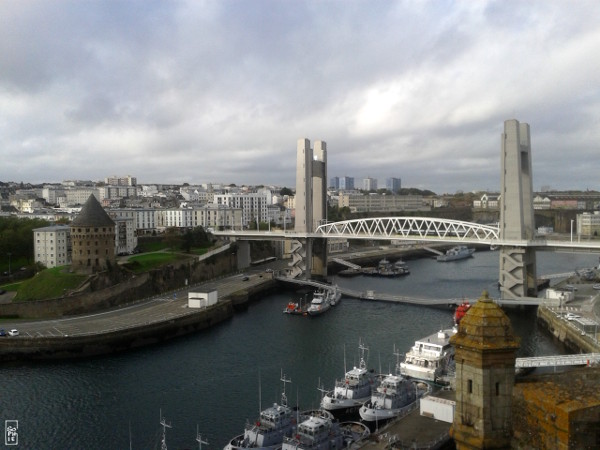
147	261
49	283
152	246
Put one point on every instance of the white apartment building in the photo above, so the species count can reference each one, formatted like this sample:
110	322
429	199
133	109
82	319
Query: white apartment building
206	216
115	180
370	184
78	196
253	205
125	230
52	245
117	192
381	202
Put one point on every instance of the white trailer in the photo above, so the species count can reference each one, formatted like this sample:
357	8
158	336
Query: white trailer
202	299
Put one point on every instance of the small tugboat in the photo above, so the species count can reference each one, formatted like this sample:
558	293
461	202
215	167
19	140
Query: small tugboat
394	397
275	423
321	432
349	394
294	308
460	311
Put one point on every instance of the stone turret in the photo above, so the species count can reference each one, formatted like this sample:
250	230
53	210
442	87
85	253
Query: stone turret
92	238
485	352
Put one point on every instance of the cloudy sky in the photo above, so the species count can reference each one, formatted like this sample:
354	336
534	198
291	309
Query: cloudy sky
220	91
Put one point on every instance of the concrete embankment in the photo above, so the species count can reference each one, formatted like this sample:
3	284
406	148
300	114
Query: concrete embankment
83	345
563	330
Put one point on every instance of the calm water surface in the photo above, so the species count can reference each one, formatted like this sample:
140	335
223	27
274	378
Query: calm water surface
211	379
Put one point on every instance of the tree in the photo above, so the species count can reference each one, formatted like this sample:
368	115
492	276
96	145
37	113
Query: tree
286	191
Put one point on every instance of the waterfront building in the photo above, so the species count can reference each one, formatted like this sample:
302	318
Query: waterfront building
393	185
485	353
92	238
52	245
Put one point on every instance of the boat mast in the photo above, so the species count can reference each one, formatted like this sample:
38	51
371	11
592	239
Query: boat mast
199	439
284	401
165	425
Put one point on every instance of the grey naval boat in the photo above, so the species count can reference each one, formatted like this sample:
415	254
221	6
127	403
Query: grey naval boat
350	393
275	423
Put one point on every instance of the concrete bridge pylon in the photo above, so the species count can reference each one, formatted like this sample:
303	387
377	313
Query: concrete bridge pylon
517	265
311	204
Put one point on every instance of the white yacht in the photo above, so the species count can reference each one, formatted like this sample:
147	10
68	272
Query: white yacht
430	358
351	392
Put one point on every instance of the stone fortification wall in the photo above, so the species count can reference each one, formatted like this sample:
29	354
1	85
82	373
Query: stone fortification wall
136	287
568	335
557	411
61	347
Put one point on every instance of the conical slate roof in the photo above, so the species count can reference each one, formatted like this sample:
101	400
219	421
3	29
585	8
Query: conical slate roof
92	215
485	327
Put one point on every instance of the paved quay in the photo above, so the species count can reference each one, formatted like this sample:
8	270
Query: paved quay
413	431
142	323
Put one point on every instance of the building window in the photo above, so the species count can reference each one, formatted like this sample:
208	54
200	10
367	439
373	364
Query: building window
497	389
470	386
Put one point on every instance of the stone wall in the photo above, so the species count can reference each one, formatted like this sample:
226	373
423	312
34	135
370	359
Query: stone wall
557	411
133	288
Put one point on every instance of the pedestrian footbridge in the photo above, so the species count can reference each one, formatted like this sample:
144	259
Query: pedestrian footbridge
582	359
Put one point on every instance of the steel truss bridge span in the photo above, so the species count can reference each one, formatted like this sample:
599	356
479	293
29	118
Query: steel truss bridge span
412	228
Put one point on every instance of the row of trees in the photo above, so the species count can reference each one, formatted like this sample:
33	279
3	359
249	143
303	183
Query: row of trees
16	240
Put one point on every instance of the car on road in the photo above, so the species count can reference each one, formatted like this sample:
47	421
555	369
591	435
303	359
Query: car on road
13	332
2	332
2	291
245	278
571	316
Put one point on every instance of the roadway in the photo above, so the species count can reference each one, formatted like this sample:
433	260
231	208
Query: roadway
160	308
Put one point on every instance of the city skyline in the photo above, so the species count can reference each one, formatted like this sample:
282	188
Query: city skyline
192	92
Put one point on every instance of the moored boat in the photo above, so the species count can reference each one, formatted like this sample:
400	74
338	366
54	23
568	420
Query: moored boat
321	432
320	303
394	397
274	424
460	311
456	253
350	393
430	358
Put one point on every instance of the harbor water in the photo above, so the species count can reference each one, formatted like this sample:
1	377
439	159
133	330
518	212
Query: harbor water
220	378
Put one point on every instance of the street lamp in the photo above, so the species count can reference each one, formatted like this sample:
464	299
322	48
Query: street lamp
571	230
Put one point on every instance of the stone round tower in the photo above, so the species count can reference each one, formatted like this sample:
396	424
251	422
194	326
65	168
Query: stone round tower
92	238
485	352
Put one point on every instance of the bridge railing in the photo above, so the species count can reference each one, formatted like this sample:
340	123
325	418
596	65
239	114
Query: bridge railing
422	228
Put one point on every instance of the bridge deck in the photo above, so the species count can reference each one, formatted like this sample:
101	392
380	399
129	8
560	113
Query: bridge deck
583	359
